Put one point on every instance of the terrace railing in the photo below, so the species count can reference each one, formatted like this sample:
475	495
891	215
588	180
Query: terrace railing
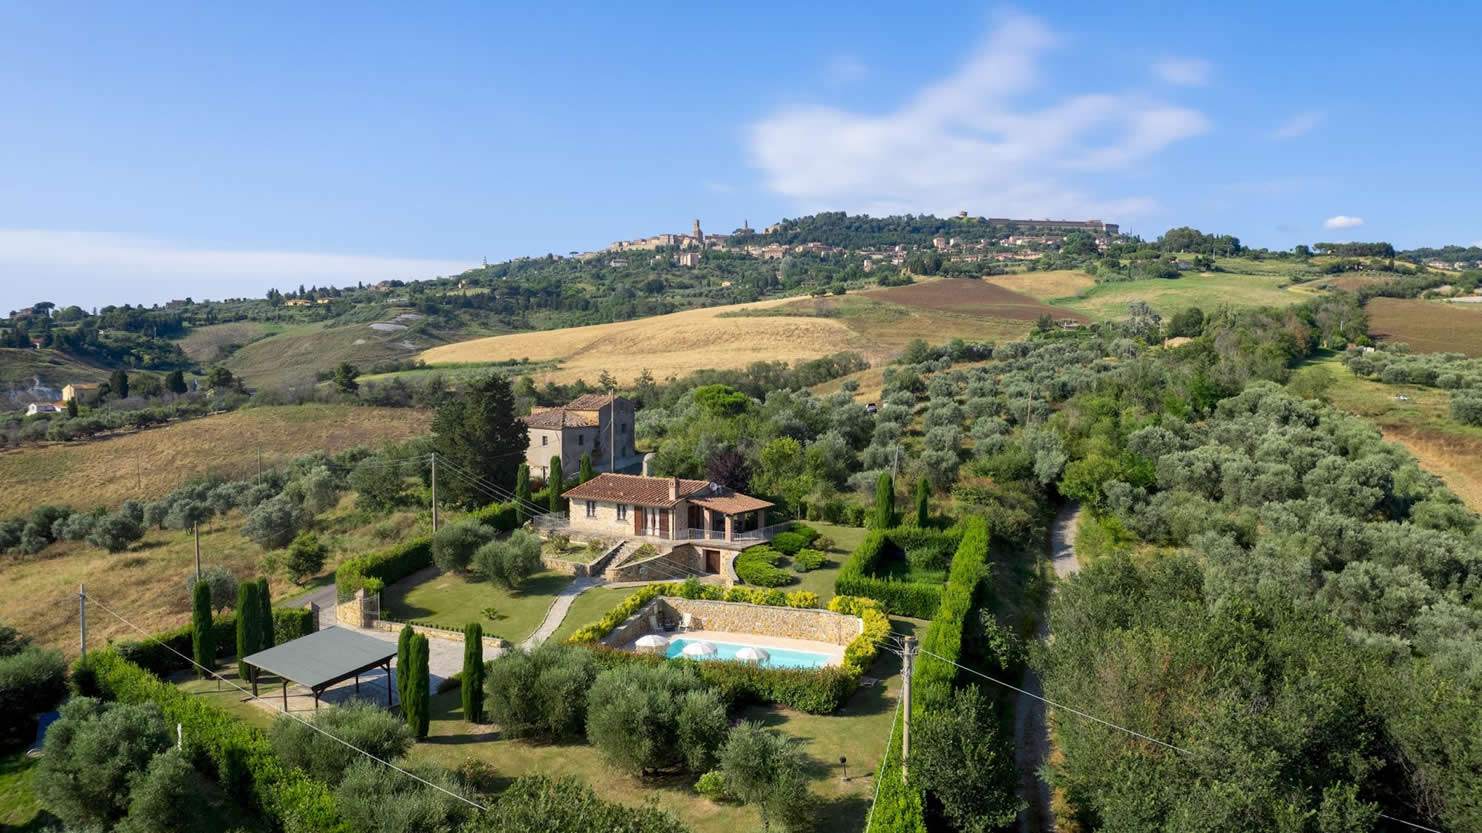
763	533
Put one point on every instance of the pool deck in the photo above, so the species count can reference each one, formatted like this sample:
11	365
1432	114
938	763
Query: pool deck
835	653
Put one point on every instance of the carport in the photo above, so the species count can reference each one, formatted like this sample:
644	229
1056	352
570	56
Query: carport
322	659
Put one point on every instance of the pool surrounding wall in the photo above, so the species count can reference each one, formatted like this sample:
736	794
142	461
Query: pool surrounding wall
813	624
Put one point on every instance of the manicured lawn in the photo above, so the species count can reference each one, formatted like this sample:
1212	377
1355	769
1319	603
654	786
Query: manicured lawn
20	812
589	607
858	733
821	581
452	601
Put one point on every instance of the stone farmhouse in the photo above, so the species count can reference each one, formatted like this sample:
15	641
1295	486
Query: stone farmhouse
594	423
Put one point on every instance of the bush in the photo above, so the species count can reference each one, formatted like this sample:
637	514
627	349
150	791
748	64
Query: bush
1466	407
453	546
32	681
375	799
358	722
115	532
509	562
712	785
766	769
94	753
644	717
273	523
542	693
758	565
375	570
802	598
539	804
788	543
166	797
223	586
807	560
305	557
960	759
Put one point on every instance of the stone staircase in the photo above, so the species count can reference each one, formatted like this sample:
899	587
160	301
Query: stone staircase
614	557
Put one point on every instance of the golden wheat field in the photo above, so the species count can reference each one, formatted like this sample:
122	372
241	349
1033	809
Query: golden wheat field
151	463
1046	286
666	345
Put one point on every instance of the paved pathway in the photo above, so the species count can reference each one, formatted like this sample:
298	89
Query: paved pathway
1031	731
556	613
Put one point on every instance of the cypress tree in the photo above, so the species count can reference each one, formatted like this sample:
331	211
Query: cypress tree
265	599
473	673
586	468
418	683
884	501
555	484
522	492
403	664
249	631
203	638
923	512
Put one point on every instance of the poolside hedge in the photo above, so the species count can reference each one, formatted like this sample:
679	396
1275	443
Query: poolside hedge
288	623
816	691
238	756
857	577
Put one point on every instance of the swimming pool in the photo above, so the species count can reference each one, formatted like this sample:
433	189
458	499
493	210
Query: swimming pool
779	657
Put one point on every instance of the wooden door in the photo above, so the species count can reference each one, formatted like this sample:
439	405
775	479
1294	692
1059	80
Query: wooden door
663	522
638	520
712	561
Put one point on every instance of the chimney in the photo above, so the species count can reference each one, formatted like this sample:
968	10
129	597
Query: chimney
674	488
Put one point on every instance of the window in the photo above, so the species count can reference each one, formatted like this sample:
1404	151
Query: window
623	427
591	509
545	439
622	511
581	439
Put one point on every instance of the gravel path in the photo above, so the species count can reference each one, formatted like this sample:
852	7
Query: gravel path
556	613
1031	731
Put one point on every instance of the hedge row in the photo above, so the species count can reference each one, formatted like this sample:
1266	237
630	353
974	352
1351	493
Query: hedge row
932	677
158	653
902	598
238	755
899	807
373	571
860	653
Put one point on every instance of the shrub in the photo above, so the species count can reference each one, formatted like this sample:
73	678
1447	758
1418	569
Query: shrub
12	641
375	570
959	757
559	542
375	799
540	804
360	723
802	598
94	752
758	565
223	586
32	681
167	796
509	562
788	543
542	693
644	717
273	523
766	769
712	785
861	651
115	532
1466	407
453	546
807	560
305	557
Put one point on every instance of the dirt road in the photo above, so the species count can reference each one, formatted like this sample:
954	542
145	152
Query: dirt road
1031	731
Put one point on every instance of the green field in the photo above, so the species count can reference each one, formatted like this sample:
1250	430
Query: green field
20	812
19	368
216	341
451	600
1208	291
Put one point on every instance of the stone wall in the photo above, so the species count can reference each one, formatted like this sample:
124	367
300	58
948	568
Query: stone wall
493	646
578	568
737	617
359	612
675	565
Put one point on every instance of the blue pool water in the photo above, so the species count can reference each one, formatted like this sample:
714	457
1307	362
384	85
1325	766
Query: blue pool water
780	657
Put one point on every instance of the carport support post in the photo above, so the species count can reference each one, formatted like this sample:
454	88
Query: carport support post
252	675
388	683
285	695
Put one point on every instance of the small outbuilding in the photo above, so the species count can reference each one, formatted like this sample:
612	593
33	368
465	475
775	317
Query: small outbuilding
322	659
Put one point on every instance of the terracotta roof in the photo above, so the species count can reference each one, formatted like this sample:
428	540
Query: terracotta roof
556	418
590	402
654	491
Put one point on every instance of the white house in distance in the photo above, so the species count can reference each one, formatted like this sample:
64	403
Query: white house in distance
597	424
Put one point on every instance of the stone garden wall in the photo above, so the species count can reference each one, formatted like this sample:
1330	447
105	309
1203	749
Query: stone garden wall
738	617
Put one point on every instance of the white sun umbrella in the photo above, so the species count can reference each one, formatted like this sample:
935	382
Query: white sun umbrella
652	642
700	649
752	653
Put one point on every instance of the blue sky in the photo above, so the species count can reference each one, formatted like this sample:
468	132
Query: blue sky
217	150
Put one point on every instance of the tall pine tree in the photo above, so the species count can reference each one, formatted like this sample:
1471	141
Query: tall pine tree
473	673
265	601
249	628
481	433
203	637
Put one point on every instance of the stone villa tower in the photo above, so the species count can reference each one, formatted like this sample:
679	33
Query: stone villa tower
699	235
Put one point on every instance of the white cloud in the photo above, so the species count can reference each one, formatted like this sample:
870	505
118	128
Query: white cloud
1342	221
1185	72
842	69
961	143
1298	125
97	268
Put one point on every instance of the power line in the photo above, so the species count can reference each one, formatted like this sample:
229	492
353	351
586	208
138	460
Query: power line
880	773
493	490
1131	732
285	712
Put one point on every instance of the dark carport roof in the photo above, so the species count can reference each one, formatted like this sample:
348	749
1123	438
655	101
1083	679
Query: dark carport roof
323	657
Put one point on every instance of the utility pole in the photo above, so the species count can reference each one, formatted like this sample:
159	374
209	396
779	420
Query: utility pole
196	528
82	615
907	666
259	465
434	491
